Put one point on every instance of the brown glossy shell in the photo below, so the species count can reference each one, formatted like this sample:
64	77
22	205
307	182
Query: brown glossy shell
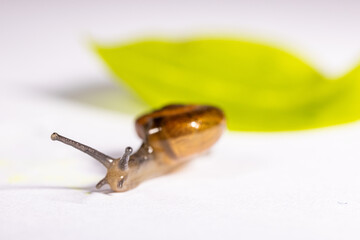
181	130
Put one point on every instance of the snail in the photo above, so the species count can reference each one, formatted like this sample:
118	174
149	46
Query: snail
171	136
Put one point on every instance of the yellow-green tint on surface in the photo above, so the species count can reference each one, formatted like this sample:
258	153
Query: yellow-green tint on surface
259	87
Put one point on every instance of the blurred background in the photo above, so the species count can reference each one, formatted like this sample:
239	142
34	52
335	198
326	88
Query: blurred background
277	185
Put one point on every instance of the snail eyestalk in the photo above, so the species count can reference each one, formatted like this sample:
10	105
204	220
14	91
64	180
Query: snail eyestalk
102	158
124	161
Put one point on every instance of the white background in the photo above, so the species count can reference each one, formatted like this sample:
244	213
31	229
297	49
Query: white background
298	185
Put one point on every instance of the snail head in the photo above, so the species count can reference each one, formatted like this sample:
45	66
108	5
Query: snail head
117	168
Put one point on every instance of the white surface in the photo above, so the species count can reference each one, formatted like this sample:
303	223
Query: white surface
302	185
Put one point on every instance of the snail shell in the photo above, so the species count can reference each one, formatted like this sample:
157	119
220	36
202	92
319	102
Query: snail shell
181	131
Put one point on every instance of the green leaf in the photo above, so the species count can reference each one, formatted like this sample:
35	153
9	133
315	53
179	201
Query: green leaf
259	87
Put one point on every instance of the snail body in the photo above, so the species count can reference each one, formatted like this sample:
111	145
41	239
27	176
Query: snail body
171	136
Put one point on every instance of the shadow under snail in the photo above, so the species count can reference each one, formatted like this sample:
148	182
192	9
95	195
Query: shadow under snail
171	135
